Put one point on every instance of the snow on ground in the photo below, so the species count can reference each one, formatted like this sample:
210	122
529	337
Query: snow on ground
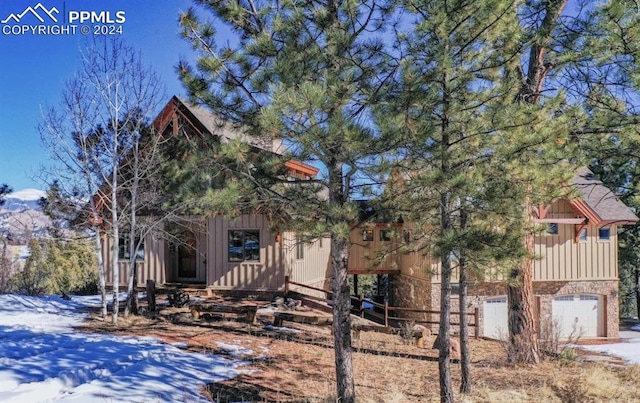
43	359
628	351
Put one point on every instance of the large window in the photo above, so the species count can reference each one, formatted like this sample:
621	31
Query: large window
123	246
244	245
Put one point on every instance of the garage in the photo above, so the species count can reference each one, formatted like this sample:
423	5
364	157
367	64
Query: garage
495	318
578	315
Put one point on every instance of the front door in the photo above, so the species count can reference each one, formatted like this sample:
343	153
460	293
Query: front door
188	254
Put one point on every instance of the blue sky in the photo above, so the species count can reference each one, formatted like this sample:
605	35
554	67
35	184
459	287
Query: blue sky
34	68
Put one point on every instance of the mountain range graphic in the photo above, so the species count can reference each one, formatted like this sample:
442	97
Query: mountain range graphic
34	12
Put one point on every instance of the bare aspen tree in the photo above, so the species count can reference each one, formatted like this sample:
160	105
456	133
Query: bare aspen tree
95	135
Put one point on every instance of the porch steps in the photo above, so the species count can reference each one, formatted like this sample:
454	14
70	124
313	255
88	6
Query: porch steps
313	302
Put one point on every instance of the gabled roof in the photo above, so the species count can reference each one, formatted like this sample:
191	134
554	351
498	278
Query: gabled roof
599	204
206	123
203	121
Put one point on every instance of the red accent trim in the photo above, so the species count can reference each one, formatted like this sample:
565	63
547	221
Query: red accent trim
541	211
302	168
581	207
578	230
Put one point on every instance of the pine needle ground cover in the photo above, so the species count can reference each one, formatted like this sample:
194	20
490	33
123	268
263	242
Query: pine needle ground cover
295	363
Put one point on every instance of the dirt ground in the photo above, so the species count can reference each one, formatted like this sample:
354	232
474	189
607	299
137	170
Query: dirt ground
298	365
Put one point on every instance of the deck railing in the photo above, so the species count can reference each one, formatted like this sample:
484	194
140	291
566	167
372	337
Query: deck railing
387	315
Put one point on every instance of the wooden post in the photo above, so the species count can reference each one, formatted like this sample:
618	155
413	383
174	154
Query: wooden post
355	284
386	314
362	306
151	295
476	320
286	285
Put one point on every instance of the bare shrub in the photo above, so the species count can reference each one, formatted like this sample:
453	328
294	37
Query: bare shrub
406	331
552	345
572	390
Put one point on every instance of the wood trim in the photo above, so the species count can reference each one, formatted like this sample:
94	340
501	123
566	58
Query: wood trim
541	212
575	221
578	230
585	210
605	317
301	167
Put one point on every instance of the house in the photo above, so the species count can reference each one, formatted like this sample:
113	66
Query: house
216	252
575	275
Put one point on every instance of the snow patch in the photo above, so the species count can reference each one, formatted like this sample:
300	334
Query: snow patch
43	359
234	350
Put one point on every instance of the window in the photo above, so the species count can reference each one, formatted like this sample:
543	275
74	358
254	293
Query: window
604	234
244	245
406	236
582	236
123	246
299	248
367	235
552	229
385	235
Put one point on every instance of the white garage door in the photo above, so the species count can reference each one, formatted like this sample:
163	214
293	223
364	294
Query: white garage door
578	315
495	318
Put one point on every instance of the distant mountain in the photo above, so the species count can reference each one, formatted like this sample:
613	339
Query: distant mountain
21	216
27	199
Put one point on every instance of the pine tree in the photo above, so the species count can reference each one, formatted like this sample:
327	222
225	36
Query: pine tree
306	74
449	109
583	54
606	79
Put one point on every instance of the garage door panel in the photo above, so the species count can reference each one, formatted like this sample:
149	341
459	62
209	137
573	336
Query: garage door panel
495	318
578	315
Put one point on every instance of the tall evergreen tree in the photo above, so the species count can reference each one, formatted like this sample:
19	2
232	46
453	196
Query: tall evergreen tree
586	53
607	79
450	104
307	74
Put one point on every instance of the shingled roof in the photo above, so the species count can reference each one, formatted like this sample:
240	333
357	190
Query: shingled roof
598	203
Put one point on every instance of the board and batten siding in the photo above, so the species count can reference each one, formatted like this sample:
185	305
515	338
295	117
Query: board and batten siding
151	268
560	257
375	254
314	269
266	274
